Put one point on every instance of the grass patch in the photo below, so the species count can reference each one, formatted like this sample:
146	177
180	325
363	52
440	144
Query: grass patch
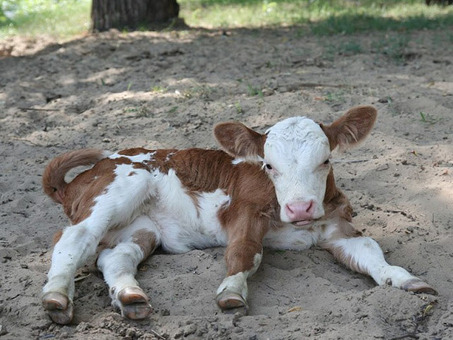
60	19
393	47
323	17
335	97
254	91
158	89
427	118
64	18
199	91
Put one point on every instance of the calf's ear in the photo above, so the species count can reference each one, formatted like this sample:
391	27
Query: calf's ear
351	128
239	141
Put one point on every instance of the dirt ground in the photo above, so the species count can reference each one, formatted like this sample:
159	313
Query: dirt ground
116	90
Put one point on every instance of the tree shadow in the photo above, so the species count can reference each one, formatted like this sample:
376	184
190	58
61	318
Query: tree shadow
357	22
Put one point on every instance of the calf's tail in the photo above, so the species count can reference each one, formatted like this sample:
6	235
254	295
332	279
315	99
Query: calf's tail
53	179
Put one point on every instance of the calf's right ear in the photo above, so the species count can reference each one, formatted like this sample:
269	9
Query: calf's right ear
239	141
351	128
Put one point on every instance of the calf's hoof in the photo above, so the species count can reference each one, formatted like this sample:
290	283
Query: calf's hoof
134	303
231	303
418	286
58	306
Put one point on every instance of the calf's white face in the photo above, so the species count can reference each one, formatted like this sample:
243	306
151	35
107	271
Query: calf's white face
296	158
295	155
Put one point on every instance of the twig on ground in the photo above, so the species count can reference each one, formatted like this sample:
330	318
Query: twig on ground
36	109
81	277
349	160
158	335
36	144
412	336
318	85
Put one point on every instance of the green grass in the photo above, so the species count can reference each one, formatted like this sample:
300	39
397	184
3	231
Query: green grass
65	18
427	118
393	47
318	16
254	91
60	19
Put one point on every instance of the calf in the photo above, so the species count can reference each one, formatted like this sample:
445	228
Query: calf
275	190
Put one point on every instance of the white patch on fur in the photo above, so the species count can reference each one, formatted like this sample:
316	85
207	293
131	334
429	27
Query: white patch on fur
368	255
237	161
237	283
296	148
106	153
185	222
170	155
251	159
115	207
290	238
142	157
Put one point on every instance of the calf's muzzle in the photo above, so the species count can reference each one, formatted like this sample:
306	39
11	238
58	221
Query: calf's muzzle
300	212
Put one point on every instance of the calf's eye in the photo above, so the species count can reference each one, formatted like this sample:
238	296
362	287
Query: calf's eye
268	167
326	162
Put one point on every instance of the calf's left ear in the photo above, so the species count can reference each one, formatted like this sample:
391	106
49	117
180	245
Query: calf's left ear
351	128
238	140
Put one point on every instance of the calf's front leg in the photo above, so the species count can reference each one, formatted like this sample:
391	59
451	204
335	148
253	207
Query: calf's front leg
363	254
243	257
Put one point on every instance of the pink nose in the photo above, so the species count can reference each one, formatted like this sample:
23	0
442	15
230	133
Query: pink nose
300	211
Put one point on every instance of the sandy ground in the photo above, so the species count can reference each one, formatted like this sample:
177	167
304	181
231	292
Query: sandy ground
114	91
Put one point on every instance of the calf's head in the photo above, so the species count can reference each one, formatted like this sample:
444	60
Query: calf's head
295	155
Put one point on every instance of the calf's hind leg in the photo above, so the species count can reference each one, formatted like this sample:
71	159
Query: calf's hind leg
119	266
76	244
363	254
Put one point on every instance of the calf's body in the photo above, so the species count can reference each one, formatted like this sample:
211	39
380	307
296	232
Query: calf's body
274	190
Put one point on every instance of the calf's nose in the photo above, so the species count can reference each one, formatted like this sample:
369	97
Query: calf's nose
300	211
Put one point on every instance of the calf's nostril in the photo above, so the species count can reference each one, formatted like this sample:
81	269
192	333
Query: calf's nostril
289	210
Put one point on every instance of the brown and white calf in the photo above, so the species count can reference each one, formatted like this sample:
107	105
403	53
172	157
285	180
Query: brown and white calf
274	190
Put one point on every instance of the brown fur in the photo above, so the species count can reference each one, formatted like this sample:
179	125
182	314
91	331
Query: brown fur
57	236
349	129
146	240
238	140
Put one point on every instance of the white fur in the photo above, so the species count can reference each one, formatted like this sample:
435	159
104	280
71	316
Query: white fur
136	158
250	159
296	149
290	238
369	257
80	241
237	283
119	265
186	224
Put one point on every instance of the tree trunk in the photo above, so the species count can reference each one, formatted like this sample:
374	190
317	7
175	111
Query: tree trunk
132	14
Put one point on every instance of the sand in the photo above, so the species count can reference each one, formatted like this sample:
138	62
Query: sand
168	89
